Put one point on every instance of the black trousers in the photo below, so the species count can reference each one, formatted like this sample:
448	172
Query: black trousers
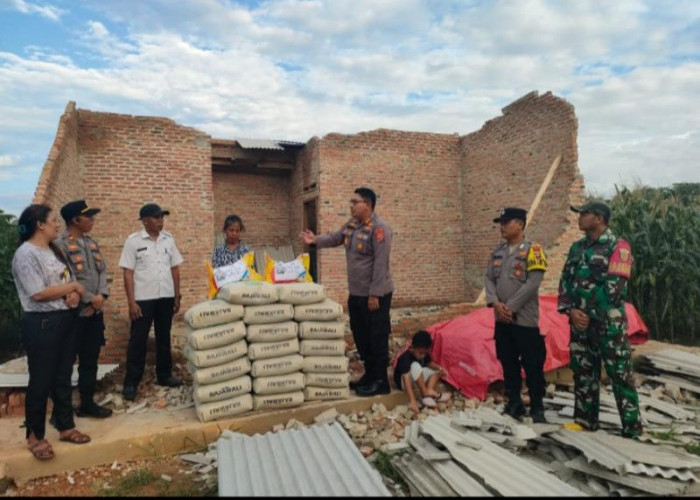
520	344
48	338
159	313
370	331
90	337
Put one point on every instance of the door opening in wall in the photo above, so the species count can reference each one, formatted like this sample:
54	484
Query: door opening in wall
310	223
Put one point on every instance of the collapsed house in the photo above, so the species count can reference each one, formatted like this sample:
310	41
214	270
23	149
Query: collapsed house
439	192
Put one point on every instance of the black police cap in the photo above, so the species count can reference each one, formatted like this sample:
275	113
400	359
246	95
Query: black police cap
152	210
73	209
510	213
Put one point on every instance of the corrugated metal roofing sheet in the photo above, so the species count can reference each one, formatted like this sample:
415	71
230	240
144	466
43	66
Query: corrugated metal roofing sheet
259	144
320	460
501	470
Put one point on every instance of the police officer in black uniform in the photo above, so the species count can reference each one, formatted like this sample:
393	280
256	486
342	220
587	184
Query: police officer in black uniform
83	255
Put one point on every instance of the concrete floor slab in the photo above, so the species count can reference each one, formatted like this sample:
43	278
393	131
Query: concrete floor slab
157	432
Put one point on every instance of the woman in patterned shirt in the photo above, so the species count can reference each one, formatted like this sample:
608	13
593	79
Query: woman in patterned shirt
232	249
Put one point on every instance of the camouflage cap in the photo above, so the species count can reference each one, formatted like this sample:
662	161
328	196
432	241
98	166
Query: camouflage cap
596	207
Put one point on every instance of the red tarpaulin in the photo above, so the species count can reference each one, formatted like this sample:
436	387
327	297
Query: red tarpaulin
464	346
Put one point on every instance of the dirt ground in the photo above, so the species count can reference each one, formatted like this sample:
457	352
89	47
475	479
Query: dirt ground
134	478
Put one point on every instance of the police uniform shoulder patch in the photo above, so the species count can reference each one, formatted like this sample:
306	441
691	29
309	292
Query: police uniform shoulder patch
379	234
536	258
620	263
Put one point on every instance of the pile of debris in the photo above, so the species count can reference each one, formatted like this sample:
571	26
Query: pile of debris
483	452
203	466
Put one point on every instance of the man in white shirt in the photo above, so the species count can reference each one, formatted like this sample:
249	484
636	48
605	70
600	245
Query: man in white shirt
151	261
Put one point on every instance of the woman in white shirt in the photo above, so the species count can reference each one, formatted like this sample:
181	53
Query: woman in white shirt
49	297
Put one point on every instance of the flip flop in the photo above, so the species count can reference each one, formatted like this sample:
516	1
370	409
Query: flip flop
443	397
75	436
429	402
41	449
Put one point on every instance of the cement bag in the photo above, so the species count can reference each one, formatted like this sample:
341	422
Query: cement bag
218	355
325	393
272	333
327	379
274	401
277	366
321	330
226	408
223	390
265	350
215	336
325	364
213	312
279	383
301	293
328	310
248	293
322	348
220	373
271	313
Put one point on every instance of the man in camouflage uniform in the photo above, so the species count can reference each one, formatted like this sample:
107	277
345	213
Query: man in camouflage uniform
592	290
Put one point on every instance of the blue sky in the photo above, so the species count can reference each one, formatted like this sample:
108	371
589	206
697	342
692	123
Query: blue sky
292	69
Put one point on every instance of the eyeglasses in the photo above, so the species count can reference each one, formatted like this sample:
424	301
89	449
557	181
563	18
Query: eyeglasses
355	202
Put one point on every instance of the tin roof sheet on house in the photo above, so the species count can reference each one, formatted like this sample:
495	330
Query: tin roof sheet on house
266	144
320	460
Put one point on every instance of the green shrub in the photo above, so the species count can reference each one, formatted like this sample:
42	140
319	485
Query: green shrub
10	309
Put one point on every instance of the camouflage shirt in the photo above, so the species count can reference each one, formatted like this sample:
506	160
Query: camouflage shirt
595	276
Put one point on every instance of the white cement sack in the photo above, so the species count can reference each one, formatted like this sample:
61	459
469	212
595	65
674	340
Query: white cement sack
213	312
328	310
325	393
321	330
271	313
327	379
223	390
325	364
226	408
248	293
215	336
220	373
274	332
301	293
279	383
218	355
277	366
322	347
265	350
274	401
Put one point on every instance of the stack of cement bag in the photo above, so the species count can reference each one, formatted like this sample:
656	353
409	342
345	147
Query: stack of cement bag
216	352
273	346
322	341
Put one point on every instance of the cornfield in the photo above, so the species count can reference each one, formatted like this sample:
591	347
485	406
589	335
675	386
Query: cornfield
663	227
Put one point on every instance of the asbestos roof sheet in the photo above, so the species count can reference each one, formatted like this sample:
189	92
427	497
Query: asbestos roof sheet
320	460
619	454
654	486
15	373
267	144
677	361
499	469
422	476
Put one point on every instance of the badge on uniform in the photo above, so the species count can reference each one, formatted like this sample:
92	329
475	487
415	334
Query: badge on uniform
359	246
379	233
536	259
79	267
621	260
496	263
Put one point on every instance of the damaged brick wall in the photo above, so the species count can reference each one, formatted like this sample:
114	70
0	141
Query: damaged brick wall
505	163
61	180
417	179
129	161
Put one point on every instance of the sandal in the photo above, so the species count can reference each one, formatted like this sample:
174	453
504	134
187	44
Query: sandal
429	402
75	436
41	449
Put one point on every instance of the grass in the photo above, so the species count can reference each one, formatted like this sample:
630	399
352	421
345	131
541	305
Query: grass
669	435
383	464
693	448
130	483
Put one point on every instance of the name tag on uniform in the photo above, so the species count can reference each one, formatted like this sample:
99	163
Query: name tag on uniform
141	249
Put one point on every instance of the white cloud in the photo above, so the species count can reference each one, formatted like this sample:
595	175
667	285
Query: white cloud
297	68
48	11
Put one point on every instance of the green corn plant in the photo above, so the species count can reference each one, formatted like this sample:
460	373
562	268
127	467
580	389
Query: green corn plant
663	227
